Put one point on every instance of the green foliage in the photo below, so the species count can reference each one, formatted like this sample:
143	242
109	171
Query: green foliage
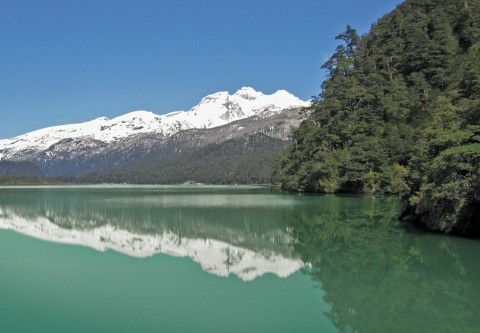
400	114
448	199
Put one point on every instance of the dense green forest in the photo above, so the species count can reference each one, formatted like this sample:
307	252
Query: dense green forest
400	113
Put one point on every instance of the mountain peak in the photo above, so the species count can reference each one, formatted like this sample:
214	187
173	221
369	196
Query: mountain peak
221	95
248	93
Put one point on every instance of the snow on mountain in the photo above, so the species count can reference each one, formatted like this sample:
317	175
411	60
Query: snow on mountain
213	110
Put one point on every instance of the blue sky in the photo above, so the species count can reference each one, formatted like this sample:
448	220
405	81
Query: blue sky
66	61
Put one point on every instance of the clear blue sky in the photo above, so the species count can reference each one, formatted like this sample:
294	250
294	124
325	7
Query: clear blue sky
65	61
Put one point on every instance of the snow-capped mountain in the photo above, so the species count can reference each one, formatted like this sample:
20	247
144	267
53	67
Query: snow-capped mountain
141	137
213	110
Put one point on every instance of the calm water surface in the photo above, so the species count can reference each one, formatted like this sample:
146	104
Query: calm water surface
225	259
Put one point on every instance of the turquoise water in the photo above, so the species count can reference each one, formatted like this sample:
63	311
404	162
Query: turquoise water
225	259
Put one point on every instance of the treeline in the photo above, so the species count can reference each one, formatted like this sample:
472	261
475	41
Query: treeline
245	160
400	113
25	180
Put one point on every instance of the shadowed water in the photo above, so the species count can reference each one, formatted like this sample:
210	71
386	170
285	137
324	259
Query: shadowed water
217	259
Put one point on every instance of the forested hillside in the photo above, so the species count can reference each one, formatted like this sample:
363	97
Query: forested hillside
244	160
400	113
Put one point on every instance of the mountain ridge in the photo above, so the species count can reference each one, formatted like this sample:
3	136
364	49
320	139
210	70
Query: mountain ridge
213	110
142	137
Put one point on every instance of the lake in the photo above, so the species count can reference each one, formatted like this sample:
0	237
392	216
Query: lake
225	259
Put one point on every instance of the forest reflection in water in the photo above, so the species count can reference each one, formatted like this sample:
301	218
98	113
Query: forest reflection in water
379	277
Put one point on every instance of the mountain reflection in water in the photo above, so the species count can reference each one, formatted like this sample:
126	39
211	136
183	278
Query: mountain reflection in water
225	232
374	275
